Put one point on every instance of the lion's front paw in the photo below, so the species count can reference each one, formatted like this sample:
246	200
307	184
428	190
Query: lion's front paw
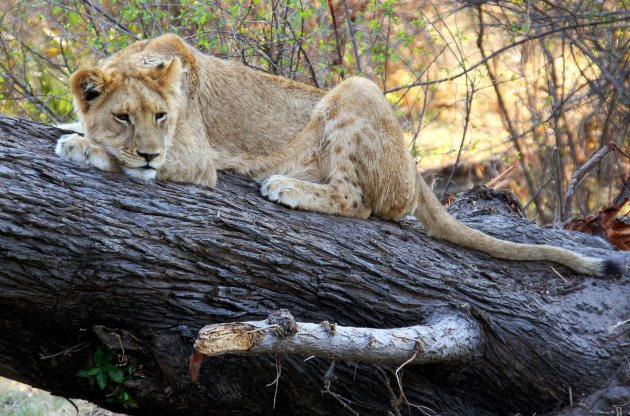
73	147
79	149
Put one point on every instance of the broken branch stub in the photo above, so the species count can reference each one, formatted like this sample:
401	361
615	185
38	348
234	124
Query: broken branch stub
446	338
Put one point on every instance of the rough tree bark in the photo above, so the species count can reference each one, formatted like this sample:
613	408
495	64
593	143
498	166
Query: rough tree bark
94	260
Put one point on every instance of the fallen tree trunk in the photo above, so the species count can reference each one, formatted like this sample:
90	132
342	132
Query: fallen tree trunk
93	261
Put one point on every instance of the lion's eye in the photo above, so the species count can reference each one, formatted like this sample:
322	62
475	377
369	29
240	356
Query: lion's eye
124	118
160	116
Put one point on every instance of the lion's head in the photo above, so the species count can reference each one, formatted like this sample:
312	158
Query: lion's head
131	111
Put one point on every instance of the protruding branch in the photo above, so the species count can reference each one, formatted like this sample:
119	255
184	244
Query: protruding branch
581	174
448	338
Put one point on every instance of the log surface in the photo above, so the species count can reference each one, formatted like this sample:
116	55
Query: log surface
91	259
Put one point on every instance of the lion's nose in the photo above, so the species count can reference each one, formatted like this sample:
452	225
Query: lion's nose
149	156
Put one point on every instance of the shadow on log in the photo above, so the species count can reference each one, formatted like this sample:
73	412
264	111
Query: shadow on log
94	261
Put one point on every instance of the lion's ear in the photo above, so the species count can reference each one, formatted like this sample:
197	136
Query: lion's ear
167	74
87	85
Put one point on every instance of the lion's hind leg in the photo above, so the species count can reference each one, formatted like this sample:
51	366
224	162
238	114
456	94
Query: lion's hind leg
364	166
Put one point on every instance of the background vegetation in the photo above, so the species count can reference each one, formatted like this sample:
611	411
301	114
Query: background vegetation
541	85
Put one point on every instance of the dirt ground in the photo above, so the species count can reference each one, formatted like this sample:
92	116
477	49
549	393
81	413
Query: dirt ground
17	399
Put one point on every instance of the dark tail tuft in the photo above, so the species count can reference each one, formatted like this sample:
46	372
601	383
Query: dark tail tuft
612	268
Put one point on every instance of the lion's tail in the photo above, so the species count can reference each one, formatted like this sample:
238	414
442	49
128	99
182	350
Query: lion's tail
441	224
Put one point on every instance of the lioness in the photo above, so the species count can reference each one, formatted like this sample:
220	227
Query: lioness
161	109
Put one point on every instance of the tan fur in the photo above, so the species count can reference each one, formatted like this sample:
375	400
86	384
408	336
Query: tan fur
339	152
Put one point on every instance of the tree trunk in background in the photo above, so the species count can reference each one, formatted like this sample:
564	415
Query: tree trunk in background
94	260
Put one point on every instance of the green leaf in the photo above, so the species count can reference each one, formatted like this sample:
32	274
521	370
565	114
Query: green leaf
98	357
108	356
305	14
117	376
90	372
101	380
109	367
74	19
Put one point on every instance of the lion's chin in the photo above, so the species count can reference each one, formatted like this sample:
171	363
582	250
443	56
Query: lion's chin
143	174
